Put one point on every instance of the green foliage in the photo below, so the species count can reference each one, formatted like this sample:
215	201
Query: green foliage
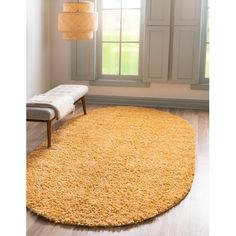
111	56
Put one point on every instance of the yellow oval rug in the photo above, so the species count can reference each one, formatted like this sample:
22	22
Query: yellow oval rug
115	166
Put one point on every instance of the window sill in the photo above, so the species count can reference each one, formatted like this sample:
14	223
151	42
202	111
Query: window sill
119	83
200	86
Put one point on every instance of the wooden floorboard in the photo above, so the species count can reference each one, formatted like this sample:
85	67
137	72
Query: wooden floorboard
189	218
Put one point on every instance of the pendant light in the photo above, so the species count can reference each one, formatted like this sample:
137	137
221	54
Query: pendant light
78	20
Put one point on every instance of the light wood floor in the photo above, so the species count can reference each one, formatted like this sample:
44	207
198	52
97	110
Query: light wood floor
189	218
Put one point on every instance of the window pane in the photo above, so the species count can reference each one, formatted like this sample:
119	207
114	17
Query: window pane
130	25
208	29
110	58
129	58
131	3
111	25
207	62
111	3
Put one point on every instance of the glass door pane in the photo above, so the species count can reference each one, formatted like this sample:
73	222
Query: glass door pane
111	4
131	3
129	58
110	58
130	26
111	25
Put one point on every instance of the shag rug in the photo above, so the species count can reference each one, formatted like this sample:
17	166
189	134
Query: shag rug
115	166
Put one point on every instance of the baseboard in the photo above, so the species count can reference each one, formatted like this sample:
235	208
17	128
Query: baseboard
149	102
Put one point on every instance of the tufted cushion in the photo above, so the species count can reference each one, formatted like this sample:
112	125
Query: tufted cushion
38	113
75	91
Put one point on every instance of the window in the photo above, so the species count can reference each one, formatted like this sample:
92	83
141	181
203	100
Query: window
207	45
119	43
204	76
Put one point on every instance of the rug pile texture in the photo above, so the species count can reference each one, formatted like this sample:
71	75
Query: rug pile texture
115	166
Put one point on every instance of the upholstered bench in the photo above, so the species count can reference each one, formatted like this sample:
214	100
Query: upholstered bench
48	114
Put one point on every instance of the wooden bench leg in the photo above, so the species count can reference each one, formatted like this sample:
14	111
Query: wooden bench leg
49	132
83	104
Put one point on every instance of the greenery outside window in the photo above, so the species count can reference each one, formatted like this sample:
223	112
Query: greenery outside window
119	39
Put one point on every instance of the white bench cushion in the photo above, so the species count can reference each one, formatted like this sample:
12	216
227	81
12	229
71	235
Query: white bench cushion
61	104
48	113
75	91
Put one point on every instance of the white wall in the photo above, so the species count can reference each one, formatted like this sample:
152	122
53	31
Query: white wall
61	71
38	46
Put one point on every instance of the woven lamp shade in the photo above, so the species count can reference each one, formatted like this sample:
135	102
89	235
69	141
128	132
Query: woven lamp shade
78	21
